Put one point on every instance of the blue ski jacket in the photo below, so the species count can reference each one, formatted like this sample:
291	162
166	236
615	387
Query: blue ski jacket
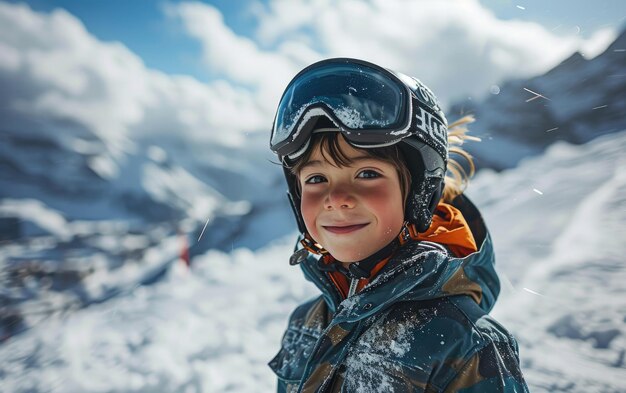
421	325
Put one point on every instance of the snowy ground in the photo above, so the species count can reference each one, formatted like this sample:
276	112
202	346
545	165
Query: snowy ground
559	226
562	263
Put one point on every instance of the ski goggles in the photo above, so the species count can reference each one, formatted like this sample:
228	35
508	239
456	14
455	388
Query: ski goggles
370	105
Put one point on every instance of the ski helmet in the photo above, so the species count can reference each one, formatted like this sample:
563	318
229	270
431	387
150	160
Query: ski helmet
371	107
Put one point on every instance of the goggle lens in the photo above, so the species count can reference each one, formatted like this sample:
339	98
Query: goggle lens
361	98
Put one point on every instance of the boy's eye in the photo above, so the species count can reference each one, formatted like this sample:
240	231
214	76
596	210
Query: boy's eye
315	179
368	174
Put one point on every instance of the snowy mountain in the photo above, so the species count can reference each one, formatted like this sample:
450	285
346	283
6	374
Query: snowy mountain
576	101
81	222
146	181
558	223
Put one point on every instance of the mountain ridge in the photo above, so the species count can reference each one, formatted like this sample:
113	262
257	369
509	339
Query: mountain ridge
576	101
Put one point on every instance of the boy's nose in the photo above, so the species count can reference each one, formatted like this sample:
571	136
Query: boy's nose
339	198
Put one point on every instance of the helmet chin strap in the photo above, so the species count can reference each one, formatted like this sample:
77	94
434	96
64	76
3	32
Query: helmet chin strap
308	246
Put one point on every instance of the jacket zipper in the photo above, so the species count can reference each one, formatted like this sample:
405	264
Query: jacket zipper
354	282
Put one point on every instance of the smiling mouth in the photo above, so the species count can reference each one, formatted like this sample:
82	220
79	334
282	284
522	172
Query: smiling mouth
345	228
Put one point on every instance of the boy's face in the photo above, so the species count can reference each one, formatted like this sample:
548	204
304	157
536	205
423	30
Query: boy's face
351	211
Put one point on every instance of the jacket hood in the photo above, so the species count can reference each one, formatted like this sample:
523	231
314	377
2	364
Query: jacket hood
419	270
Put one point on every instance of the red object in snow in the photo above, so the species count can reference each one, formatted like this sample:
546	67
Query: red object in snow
184	252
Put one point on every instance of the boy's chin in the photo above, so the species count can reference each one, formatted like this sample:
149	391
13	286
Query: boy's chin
355	251
348	256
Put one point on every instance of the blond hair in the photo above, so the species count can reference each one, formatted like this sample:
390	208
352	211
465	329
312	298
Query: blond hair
457	177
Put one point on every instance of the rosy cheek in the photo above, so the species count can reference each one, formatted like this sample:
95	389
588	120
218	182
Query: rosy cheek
380	197
386	203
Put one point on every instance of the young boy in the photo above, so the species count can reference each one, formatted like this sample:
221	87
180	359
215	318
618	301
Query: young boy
403	260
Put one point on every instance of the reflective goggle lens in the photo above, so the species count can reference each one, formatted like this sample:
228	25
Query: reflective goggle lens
360	98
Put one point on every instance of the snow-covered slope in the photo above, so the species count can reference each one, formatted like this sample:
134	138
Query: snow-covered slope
559	227
576	101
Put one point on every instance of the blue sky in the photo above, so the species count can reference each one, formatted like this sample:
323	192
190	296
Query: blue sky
144	28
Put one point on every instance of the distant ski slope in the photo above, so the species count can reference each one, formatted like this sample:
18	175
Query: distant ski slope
559	226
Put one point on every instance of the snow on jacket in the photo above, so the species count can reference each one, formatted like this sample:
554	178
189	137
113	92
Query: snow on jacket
421	325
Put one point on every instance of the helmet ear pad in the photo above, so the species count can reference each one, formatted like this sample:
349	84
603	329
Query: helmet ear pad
422	200
436	197
426	189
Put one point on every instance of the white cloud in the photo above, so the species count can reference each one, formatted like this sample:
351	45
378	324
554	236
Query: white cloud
239	58
59	72
9	58
598	42
455	46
